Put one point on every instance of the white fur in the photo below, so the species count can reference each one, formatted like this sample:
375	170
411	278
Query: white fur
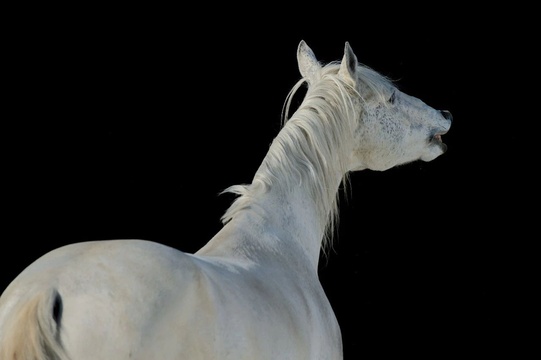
252	292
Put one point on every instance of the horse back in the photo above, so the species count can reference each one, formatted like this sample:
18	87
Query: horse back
134	299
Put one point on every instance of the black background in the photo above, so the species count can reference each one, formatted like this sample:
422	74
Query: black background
128	122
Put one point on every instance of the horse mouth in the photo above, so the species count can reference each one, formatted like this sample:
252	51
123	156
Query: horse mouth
437	140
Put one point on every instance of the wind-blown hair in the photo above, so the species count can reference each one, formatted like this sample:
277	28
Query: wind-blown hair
314	145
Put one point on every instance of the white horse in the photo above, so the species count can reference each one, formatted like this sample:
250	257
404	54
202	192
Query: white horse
252	292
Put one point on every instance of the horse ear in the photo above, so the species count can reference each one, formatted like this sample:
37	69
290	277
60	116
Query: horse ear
308	63
348	67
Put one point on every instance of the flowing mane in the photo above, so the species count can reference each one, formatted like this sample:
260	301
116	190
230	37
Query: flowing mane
314	133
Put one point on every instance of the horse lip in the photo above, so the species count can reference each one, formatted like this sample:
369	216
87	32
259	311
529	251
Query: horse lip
436	139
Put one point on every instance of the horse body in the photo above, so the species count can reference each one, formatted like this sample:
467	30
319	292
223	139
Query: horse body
252	292
133	299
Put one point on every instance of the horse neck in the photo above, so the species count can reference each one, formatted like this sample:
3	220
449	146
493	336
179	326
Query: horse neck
277	227
291	204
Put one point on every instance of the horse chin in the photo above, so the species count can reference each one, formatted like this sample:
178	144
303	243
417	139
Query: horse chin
443	147
435	150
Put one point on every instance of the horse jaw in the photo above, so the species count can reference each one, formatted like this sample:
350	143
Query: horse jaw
380	157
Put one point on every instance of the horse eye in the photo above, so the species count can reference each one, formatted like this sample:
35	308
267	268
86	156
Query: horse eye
392	99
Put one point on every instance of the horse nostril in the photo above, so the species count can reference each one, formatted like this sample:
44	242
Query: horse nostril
447	114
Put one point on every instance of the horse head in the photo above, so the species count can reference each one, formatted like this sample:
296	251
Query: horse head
390	127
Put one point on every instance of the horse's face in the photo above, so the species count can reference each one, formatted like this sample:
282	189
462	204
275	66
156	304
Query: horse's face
396	131
390	130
